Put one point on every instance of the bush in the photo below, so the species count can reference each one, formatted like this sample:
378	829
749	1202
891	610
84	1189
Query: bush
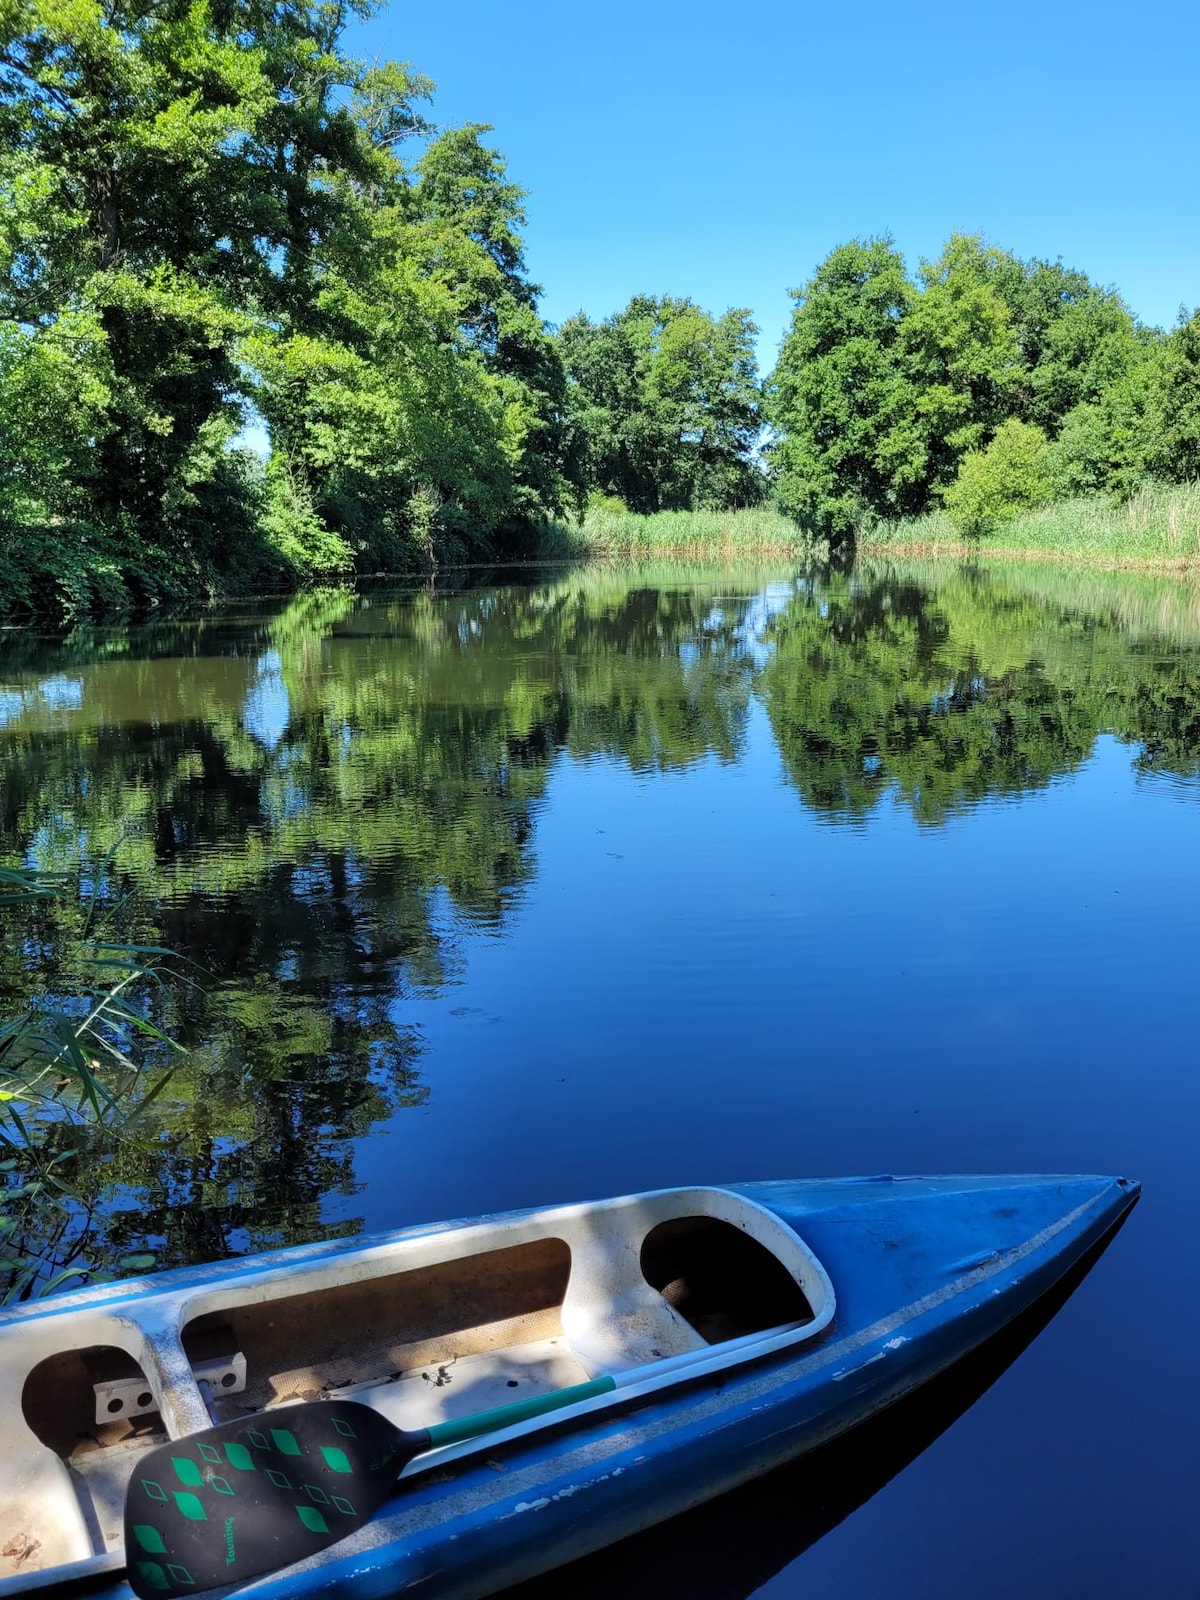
606	504
995	485
294	530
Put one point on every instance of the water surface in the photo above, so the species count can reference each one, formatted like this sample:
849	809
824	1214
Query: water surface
592	882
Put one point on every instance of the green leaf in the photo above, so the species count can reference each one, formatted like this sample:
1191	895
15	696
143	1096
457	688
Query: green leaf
137	1263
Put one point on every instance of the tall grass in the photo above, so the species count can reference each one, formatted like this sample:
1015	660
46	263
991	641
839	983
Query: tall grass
625	535
1159	525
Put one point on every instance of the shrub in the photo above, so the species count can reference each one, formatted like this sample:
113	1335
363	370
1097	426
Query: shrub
293	528
994	485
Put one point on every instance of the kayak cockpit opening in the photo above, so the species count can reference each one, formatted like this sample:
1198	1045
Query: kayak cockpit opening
722	1282
422	1316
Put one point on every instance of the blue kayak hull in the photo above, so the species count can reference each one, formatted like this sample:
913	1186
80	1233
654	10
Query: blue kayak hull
924	1270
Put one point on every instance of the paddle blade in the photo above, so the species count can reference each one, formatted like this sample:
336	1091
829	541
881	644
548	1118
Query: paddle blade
247	1497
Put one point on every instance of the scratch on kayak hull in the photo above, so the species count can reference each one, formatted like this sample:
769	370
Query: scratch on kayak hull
562	1494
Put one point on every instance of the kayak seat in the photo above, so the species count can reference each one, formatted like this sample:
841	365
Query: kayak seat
310	1342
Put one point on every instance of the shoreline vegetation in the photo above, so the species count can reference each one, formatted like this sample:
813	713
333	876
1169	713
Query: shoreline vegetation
1156	530
264	326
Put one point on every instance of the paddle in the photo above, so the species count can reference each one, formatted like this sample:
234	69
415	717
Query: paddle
255	1494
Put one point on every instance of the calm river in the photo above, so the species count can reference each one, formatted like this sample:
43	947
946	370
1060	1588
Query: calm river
595	881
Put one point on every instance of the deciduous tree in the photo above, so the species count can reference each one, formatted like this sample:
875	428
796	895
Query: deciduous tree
664	405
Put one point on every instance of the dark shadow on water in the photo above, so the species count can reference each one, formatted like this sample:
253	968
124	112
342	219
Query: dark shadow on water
730	1547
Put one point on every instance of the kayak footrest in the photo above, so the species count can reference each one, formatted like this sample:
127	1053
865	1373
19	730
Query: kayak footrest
119	1396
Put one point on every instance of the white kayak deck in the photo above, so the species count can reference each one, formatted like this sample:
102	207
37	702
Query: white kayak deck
426	1326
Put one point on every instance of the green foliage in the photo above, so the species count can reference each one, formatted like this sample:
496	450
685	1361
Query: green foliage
1101	447
840	398
293	528
1159	523
663	404
888	392
470	219
1137	420
994	484
1078	343
205	216
1173	431
125	246
960	353
214	215
607	529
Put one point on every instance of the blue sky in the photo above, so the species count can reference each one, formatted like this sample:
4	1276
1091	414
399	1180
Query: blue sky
721	153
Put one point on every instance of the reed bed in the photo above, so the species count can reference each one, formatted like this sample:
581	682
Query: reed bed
1159	527
759	530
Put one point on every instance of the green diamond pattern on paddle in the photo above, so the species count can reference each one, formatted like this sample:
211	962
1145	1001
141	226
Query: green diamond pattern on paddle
190	1506
187	1472
181	1536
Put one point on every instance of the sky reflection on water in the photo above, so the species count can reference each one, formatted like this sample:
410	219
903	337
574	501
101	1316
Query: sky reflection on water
608	881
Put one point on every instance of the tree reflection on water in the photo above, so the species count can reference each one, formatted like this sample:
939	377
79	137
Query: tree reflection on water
307	801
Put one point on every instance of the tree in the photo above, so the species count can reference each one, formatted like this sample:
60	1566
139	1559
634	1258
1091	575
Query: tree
129	226
664	405
412	391
204	205
1089	342
960	352
1172	441
842	397
471	216
885	388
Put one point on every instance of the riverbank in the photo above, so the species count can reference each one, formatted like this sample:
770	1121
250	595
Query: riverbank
1157	531
679	535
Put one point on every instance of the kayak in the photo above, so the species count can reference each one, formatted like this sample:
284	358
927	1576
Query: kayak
687	1340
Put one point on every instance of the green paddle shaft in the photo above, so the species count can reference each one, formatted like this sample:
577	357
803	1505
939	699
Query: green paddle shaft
443	1433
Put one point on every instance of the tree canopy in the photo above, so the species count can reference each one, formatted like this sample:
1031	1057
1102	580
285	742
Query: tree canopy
263	324
207	217
664	405
888	385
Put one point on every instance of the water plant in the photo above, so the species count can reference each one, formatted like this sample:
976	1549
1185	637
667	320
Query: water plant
81	1058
